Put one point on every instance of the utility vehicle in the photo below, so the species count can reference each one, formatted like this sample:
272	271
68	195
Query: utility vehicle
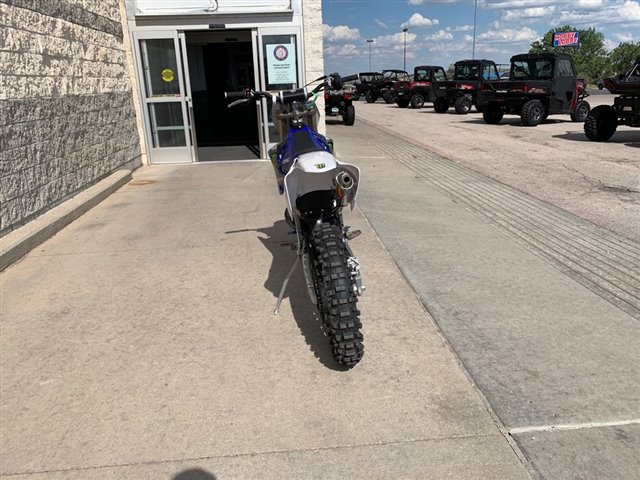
461	92
421	88
340	103
603	120
539	85
383	87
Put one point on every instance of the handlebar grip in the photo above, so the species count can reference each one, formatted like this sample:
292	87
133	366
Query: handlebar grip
235	95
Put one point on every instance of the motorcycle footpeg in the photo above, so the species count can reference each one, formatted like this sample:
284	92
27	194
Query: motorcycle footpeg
354	234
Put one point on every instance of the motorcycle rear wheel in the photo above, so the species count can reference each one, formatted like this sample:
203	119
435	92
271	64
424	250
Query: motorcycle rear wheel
336	298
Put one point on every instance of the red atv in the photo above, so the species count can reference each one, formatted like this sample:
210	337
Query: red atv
539	85
421	88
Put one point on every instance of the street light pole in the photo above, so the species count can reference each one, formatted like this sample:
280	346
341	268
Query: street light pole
475	11
369	42
405	49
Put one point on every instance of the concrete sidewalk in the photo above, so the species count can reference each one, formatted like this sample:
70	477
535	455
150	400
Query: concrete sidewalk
139	342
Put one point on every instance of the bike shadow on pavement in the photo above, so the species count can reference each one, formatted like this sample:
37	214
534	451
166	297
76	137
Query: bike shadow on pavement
280	243
194	474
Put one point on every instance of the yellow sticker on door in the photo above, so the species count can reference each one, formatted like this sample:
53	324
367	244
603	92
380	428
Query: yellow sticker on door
168	75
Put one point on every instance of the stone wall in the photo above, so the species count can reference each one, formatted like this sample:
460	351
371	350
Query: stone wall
313	53
67	117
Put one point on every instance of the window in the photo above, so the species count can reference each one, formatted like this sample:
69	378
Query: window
439	75
564	68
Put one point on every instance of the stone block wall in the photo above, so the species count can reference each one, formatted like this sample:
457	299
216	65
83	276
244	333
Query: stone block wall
313	50
67	116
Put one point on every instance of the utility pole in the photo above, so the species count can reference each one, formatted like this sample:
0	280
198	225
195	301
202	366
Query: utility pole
405	48
369	42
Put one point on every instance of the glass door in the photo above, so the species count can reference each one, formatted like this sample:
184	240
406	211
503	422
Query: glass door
281	68
162	87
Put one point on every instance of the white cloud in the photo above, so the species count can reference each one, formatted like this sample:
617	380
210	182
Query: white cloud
380	23
526	13
341	32
461	28
440	35
468	38
515	4
347	50
396	39
418	20
624	37
508	35
626	12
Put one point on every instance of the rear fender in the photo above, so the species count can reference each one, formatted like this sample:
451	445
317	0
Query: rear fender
318	171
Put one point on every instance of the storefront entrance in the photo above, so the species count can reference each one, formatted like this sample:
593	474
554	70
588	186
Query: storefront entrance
183	75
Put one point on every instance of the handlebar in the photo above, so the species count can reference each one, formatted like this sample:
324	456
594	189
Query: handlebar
235	94
285	97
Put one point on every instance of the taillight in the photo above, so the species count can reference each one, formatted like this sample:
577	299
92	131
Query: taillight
346	96
326	95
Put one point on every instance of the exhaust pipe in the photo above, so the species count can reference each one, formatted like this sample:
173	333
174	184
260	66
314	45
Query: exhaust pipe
344	181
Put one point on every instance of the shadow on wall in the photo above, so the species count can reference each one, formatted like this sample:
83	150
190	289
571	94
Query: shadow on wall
195	474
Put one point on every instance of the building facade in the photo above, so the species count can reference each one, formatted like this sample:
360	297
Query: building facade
93	87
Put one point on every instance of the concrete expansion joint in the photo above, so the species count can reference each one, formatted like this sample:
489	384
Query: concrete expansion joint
407	441
573	426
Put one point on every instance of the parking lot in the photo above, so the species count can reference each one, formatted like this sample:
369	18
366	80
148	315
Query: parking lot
554	161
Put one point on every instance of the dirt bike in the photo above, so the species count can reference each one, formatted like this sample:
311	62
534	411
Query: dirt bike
317	187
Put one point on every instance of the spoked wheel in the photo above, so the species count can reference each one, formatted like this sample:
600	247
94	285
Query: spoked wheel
417	101
463	105
336	298
581	112
532	113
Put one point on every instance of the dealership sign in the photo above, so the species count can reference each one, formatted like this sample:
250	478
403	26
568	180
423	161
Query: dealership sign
566	39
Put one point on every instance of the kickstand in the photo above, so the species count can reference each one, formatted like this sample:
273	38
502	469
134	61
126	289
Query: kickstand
284	286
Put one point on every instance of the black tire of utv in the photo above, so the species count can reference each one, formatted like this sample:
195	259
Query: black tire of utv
389	97
463	105
492	114
532	113
370	97
336	295
417	101
349	117
402	101
581	112
441	105
601	123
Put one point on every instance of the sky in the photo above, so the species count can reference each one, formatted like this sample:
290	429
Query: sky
440	32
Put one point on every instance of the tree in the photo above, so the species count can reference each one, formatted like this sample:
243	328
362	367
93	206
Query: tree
622	56
590	57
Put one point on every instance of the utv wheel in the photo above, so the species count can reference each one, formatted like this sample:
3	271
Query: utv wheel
601	123
532	113
389	97
463	104
336	298
402	101
370	97
417	101
492	114
581	112
349	117
441	105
